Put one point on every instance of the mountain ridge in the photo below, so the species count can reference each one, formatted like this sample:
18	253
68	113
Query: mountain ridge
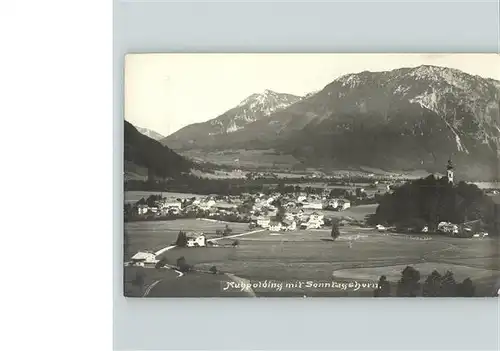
253	108
410	117
149	133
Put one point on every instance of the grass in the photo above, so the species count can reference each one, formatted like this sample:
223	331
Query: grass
155	235
304	255
133	195
246	158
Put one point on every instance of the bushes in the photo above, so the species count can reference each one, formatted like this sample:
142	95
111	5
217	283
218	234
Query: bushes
182	265
161	263
383	288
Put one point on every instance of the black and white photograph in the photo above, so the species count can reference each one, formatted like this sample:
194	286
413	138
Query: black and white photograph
311	175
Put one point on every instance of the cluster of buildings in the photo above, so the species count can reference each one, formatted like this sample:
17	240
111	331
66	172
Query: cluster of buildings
292	220
297	210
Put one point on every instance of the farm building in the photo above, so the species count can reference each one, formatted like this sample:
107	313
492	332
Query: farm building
263	222
142	209
144	258
196	240
447	227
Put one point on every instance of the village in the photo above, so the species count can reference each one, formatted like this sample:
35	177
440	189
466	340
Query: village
278	212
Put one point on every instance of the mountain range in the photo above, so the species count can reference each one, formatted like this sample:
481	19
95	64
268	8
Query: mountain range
149	133
407	118
254	108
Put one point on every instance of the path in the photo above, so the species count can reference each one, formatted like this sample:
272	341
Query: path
159	252
236	235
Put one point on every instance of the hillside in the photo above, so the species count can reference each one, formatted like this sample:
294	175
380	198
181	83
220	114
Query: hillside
404	119
429	201
256	107
142	152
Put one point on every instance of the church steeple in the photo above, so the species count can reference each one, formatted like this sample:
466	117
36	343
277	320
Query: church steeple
450	169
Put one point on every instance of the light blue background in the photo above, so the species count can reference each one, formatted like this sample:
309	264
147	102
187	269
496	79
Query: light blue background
327	324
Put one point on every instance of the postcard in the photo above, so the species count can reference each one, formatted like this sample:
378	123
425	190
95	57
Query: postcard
311	175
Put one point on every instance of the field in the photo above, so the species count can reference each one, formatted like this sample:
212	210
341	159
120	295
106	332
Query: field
243	158
155	235
133	196
359	254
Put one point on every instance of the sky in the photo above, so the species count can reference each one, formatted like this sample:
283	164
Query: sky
165	92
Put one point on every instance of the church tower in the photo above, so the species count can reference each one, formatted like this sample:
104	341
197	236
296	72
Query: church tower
450	170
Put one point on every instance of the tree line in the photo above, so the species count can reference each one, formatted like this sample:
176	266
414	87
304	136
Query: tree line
435	285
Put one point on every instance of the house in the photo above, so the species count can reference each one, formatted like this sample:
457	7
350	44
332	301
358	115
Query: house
196	240
344	205
263	222
275	226
333	204
207	204
144	258
314	221
314	205
447	227
289	225
172	205
142	209
316	217
301	198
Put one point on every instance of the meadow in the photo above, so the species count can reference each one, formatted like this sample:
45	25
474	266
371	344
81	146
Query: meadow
156	235
359	254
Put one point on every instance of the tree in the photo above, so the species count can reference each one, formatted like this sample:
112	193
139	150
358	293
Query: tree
181	239
466	288
432	285
408	285
383	288
430	201
227	230
280	215
448	285
182	265
335	230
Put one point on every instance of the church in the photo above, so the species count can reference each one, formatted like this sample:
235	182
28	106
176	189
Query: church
450	172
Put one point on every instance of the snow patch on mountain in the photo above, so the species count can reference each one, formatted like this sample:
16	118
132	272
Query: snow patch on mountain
149	133
428	100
